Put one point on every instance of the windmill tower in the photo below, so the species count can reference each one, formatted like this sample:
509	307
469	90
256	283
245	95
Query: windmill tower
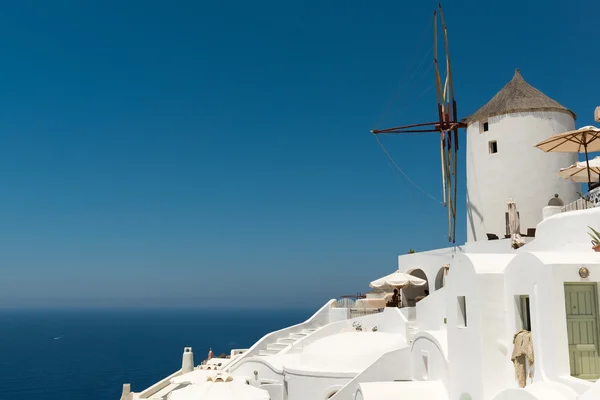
503	163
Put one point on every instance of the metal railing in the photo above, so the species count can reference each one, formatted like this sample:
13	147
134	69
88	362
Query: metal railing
361	312
579	204
353	310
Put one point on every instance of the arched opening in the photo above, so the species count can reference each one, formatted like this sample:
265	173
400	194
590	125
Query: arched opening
440	279
410	295
331	394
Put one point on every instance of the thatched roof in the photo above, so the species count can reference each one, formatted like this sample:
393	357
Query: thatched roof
517	96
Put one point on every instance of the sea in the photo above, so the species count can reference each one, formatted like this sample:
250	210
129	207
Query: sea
89	354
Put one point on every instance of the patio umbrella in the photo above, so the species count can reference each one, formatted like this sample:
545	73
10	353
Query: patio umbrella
578	172
582	140
219	387
397	280
514	225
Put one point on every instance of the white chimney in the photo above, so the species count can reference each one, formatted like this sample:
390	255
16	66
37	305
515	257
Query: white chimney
597	114
126	394
187	363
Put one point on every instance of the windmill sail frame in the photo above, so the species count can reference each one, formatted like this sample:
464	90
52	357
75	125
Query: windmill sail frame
447	126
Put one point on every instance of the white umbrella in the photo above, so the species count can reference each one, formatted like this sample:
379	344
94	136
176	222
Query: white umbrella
578	171
397	280
514	225
583	140
219	387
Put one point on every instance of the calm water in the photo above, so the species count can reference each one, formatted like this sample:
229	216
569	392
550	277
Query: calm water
98	351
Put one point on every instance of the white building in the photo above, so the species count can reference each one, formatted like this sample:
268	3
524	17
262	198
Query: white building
503	163
457	342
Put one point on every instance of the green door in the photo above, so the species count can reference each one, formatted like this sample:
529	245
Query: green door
581	304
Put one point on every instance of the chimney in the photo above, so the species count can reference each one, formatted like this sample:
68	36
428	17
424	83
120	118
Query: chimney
126	393
187	363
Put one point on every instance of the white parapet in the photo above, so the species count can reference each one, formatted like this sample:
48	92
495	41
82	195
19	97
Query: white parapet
187	362
549	211
126	393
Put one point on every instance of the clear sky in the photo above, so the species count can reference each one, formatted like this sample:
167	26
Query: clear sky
164	153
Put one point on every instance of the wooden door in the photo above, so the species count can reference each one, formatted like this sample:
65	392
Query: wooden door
581	303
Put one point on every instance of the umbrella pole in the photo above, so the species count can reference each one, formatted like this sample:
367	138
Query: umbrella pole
587	164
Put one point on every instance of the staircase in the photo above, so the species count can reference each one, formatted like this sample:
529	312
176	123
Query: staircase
277	347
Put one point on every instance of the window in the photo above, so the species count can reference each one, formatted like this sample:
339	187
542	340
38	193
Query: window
524	312
462	312
484	126
493	146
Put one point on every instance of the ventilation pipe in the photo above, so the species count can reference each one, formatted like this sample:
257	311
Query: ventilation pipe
126	393
554	207
187	363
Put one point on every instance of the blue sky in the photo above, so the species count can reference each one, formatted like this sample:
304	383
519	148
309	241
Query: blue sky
162	154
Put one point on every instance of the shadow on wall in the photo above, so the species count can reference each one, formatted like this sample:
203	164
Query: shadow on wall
440	279
470	209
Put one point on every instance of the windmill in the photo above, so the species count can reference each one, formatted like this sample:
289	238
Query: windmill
447	125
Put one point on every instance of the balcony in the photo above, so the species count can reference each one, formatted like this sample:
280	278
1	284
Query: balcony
590	200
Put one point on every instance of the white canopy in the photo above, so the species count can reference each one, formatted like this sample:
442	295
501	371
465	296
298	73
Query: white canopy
397	280
578	171
219	387
582	140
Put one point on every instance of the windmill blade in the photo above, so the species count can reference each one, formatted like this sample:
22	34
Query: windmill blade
447	126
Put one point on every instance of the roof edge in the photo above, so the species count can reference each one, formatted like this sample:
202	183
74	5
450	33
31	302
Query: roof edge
470	121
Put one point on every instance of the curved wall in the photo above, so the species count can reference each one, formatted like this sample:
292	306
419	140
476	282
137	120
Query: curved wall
518	170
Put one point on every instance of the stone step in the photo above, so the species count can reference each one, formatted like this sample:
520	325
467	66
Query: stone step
277	346
286	340
267	352
298	335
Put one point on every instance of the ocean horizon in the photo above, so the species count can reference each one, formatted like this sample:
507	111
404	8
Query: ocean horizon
78	353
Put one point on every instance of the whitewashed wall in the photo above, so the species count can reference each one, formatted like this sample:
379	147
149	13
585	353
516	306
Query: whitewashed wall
267	372
518	170
538	276
429	358
303	387
431	311
318	319
473	351
392	366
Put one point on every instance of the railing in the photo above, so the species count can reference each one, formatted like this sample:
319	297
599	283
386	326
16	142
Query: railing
355	311
579	204
593	195
361	312
394	322
344	303
319	318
